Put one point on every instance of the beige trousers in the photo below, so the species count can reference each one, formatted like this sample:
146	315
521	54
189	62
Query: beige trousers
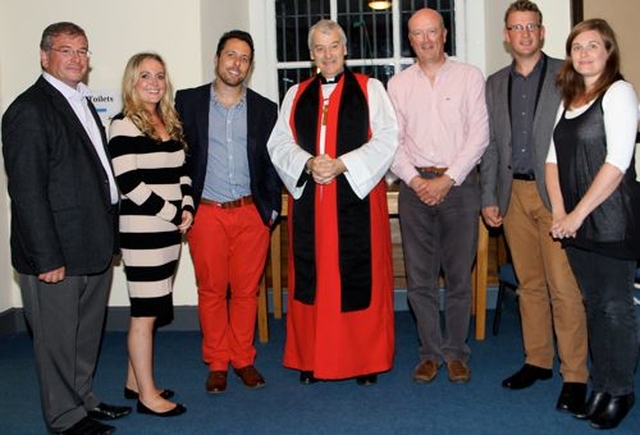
549	297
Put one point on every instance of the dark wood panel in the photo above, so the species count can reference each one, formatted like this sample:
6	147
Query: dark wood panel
577	11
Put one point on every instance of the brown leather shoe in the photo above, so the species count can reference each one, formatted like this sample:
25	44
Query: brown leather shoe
251	377
426	371
458	371
216	382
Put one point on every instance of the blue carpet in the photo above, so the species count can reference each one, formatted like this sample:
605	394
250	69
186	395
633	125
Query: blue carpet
396	405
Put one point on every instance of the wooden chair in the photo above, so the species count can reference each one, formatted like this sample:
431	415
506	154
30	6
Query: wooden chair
506	279
275	258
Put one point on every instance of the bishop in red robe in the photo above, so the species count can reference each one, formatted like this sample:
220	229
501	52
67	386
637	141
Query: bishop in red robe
332	145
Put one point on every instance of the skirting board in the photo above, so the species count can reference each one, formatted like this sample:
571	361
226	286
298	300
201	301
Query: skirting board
186	317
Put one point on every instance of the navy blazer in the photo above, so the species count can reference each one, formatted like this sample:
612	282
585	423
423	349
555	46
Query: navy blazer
262	113
496	174
61	212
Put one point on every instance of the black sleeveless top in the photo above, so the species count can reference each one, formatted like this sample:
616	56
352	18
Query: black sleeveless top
581	148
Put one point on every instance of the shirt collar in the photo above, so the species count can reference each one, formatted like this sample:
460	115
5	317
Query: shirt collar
535	70
82	91
448	62
240	103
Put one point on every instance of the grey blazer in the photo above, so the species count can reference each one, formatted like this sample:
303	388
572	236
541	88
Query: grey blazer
496	173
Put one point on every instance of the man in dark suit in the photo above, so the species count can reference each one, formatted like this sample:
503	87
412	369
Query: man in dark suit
522	100
63	235
237	195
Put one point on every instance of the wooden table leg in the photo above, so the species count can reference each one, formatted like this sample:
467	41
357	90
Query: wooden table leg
482	269
276	272
263	321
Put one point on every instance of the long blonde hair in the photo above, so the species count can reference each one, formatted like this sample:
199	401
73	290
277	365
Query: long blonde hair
134	109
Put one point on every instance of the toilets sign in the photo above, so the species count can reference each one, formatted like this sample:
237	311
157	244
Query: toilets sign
108	104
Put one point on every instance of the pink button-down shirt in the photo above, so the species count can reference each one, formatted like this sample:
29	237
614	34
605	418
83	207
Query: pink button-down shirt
443	124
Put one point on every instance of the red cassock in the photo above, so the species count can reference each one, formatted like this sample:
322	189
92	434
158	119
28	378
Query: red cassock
320	336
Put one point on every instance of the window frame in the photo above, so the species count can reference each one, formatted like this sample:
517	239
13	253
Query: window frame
262	22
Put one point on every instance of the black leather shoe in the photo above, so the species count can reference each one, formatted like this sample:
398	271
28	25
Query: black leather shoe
595	403
133	395
177	410
367	380
88	426
572	397
307	378
526	377
614	412
109	412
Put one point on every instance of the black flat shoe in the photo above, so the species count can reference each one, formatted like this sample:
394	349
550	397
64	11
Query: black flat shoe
177	410
132	395
572	397
367	380
614	412
596	403
307	378
526	377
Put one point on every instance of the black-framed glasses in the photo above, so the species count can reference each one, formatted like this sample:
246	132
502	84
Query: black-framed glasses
519	28
82	53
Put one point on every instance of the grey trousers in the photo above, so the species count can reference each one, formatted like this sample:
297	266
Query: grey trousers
444	236
67	320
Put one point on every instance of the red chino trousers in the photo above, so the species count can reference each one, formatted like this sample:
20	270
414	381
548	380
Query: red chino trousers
229	249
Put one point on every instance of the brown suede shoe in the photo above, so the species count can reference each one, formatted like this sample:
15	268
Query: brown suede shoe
251	378
426	371
216	382
458	372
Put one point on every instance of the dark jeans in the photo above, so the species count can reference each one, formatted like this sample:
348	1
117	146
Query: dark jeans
607	287
443	236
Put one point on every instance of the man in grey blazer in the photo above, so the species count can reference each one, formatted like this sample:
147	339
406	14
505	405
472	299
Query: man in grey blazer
522	101
63	229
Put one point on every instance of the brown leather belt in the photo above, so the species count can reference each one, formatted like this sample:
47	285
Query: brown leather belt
240	202
432	170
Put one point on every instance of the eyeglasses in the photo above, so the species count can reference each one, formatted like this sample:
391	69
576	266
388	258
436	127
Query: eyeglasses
82	53
519	28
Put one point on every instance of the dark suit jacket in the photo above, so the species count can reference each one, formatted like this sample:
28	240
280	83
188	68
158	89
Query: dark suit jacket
496	173
266	187
61	212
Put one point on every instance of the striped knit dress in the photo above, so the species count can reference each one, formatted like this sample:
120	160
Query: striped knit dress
154	191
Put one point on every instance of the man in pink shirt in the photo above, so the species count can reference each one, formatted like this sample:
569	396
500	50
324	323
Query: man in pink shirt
443	132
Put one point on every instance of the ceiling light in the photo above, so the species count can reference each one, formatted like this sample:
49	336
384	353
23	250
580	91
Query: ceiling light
379	5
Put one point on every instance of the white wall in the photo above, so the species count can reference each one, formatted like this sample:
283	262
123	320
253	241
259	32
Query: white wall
556	17
185	33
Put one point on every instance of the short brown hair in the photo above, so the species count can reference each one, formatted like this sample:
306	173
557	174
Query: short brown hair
56	29
522	6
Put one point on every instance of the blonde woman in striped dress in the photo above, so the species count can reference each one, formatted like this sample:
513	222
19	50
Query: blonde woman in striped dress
148	152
